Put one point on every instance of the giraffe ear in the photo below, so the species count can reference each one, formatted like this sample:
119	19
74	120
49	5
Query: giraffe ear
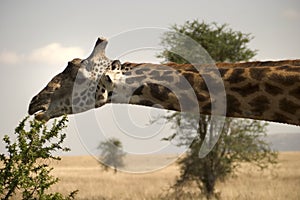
116	65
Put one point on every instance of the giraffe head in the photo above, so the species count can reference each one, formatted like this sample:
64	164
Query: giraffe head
76	88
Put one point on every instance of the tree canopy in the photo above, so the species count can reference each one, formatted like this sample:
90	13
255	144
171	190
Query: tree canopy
241	140
111	153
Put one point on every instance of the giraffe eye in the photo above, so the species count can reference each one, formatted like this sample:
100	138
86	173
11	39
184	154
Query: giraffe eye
108	79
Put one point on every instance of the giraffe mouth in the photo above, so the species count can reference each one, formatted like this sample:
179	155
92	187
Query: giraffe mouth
39	112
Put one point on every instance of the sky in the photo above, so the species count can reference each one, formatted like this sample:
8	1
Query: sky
38	38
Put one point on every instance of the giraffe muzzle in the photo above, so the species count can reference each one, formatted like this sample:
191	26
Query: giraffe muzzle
38	108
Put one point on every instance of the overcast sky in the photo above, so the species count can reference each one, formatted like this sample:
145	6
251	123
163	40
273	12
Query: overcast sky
38	38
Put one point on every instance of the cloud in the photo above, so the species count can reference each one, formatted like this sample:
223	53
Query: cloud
291	14
53	53
9	57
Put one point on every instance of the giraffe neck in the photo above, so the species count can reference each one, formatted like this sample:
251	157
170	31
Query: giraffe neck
257	90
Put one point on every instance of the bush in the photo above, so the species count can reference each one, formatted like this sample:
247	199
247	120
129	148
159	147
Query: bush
23	168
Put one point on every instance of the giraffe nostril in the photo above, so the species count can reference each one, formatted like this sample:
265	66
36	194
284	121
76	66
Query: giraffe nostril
35	98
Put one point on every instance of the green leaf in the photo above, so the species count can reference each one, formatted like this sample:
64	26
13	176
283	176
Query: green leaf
22	169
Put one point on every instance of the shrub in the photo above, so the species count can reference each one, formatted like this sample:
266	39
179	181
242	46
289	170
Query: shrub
23	169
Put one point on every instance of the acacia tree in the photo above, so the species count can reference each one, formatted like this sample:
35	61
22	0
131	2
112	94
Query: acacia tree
240	141
111	153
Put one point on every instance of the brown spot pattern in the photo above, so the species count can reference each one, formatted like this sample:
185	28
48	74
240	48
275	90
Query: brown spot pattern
295	93
139	91
259	104
246	90
258	73
284	80
278	117
145	103
200	97
141	71
236	76
207	108
189	77
183	83
288	106
223	71
135	79
159	92
272	89
233	105
76	100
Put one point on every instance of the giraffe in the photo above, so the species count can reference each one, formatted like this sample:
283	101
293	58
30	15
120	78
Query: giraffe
256	90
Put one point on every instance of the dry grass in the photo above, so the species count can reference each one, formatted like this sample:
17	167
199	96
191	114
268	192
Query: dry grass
283	182
85	174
